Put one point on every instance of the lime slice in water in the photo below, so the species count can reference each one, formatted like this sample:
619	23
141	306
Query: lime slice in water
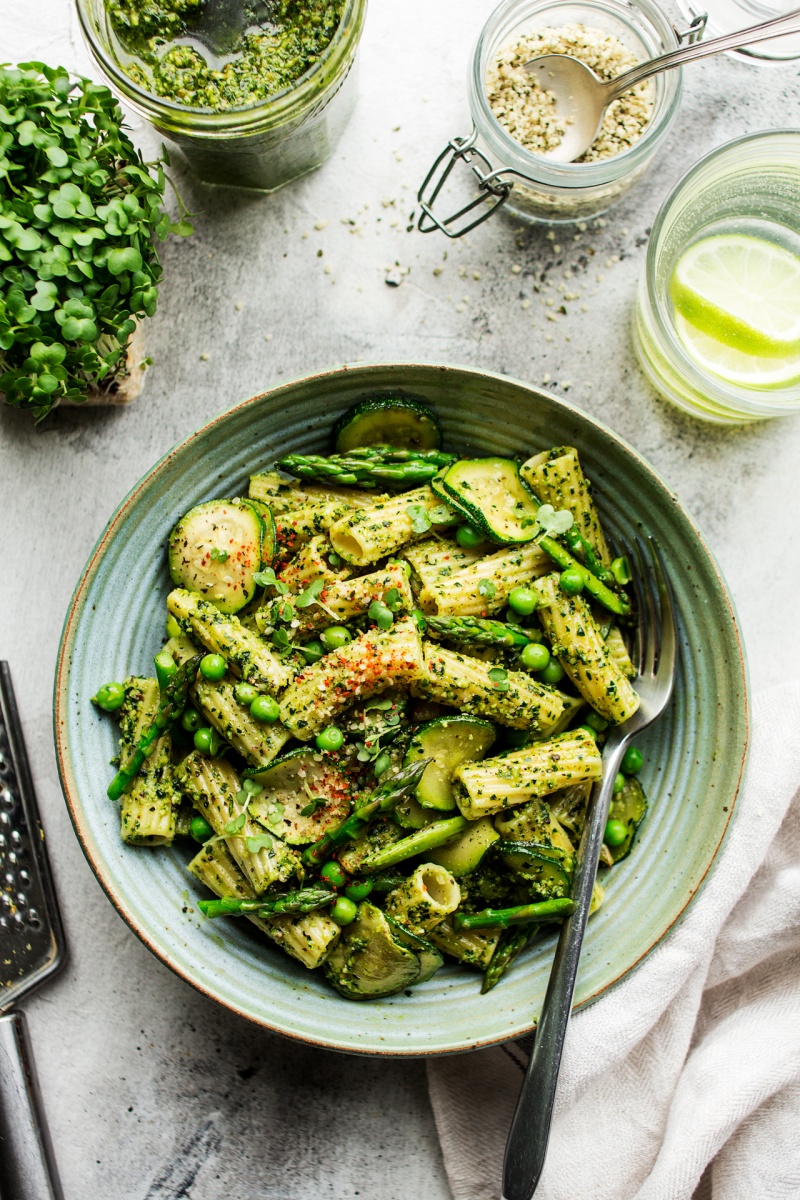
742	292
748	370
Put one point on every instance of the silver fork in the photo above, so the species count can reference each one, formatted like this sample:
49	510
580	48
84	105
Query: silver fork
655	650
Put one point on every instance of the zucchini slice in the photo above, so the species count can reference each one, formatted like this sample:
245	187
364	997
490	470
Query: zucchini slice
449	741
630	806
369	962
463	854
430	959
538	866
215	549
270	540
304	796
389	420
491	494
409	814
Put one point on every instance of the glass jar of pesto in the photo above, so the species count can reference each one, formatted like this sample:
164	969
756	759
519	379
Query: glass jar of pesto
256	93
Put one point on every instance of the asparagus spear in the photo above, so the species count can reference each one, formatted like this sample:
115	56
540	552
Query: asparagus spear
388	453
425	839
385	797
502	918
615	602
586	553
383	465
477	629
512	942
170	707
303	901
387	882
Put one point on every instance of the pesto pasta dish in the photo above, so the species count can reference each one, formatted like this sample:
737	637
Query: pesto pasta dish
380	707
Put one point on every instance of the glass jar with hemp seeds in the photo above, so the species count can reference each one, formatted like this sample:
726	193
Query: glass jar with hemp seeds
514	120
254	92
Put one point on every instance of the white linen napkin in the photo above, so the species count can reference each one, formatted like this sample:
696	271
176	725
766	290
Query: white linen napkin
685	1079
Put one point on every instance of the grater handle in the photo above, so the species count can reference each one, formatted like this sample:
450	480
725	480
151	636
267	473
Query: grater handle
27	1165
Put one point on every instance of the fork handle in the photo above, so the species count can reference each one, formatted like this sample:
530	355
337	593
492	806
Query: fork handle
27	1166
530	1128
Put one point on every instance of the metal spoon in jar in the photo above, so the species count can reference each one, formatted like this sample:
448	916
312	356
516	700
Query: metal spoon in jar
581	98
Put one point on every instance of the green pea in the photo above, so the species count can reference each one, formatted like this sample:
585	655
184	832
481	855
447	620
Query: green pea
632	761
200	829
469	537
190	720
595	721
534	656
333	873
381	614
335	560
213	667
358	891
616	833
172	627
621	570
522	600
587	729
110	697
165	667
245	693
204	740
382	764
329	739
553	673
265	709
619	783
344	911
572	581
313	651
419	619
335	636
513	618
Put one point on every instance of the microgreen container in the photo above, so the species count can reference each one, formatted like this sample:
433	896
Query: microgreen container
751	186
530	185
268	143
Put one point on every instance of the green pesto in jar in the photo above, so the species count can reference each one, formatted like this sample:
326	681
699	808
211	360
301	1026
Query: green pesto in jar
184	51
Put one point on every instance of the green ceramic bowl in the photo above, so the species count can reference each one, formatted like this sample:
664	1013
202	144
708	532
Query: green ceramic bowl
694	754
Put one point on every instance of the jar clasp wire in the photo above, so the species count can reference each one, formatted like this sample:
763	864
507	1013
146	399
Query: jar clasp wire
491	184
696	29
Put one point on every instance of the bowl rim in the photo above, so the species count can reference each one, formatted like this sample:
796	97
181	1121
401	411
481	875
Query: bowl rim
82	826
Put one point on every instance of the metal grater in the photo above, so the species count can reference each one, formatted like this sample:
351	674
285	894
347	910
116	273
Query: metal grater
32	948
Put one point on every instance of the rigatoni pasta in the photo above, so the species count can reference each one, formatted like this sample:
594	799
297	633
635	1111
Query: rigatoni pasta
385	731
583	653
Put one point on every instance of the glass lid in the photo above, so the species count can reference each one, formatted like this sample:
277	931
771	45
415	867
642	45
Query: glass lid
726	16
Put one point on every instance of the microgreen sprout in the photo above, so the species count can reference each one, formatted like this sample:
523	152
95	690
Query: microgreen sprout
313	807
420	519
499	678
552	522
262	841
268	578
310	595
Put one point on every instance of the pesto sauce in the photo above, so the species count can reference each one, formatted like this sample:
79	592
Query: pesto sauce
268	58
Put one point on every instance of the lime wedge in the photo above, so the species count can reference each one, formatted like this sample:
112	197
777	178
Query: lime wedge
733	365
742	292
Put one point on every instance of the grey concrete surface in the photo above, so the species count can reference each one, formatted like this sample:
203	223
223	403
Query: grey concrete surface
152	1092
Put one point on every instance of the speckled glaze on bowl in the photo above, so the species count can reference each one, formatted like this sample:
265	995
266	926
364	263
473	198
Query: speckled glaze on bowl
694	754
